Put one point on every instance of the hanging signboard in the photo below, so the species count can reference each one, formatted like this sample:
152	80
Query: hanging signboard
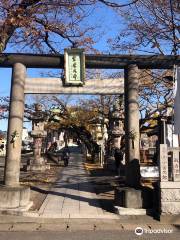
74	67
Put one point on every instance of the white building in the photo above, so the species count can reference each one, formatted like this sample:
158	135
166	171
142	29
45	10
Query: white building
25	135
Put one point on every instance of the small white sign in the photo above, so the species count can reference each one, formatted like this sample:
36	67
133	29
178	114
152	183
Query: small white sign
149	171
74	66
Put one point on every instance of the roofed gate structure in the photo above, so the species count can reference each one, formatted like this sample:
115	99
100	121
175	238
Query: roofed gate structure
14	196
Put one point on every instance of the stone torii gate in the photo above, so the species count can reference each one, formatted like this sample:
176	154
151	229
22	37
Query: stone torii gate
14	196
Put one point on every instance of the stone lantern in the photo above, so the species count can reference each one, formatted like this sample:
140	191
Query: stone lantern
37	163
116	131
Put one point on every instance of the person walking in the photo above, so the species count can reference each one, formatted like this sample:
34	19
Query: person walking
118	155
66	154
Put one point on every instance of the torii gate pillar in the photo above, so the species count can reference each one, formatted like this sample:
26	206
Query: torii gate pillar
132	125
12	195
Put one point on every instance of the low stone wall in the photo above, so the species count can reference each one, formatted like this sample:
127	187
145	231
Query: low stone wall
170	198
14	198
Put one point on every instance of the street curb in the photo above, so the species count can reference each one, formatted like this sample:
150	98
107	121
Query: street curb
13	217
67	225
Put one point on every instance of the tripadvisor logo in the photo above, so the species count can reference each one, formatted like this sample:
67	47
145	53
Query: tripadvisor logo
139	231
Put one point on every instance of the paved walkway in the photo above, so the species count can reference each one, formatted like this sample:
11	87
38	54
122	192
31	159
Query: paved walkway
73	195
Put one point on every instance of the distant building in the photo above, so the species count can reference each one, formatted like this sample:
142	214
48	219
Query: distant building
25	135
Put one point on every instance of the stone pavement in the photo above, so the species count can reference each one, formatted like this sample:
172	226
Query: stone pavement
73	195
72	205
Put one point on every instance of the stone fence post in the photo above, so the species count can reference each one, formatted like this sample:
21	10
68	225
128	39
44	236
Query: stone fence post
169	185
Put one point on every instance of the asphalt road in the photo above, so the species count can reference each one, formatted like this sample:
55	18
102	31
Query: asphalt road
85	235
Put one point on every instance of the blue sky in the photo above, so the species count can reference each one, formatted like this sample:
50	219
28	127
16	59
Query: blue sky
102	16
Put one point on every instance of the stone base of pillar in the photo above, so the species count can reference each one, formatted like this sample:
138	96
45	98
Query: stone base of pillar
130	201
15	198
130	211
40	166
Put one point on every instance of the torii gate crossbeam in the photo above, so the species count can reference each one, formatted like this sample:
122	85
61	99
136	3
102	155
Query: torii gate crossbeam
96	61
